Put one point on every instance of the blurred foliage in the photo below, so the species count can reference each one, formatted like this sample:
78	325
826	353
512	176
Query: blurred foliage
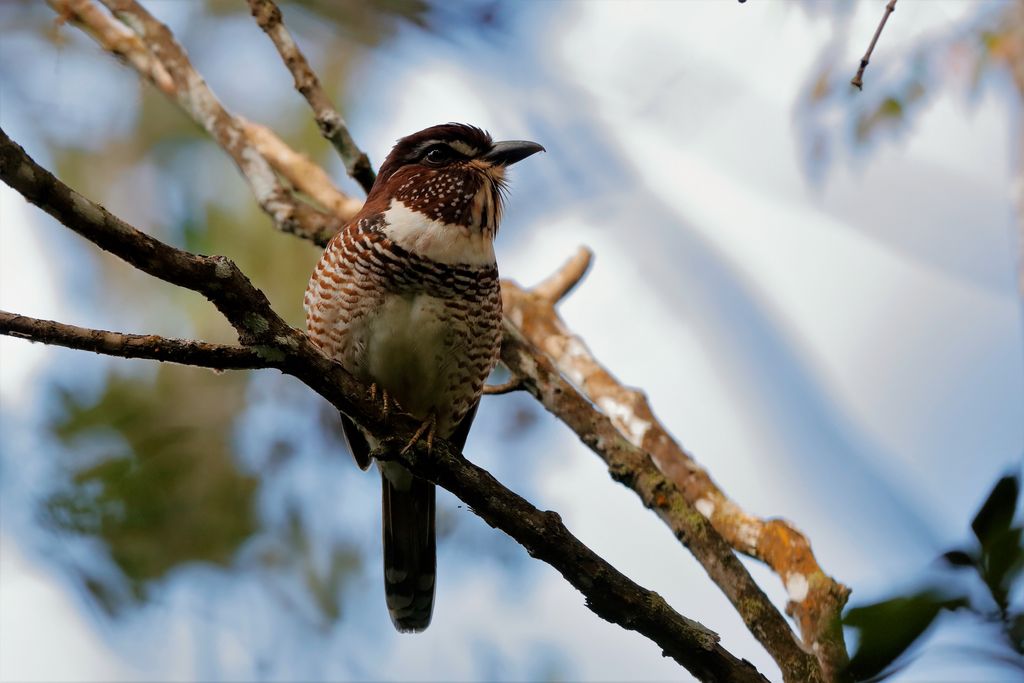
293	556
159	486
889	630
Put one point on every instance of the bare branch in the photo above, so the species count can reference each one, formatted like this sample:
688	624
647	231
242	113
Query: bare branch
304	175
631	466
149	346
332	126
557	285
858	80
115	39
154	53
816	599
514	384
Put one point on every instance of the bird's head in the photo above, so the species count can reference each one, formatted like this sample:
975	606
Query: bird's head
449	177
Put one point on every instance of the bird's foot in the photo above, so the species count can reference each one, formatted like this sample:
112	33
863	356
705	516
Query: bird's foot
387	402
427	427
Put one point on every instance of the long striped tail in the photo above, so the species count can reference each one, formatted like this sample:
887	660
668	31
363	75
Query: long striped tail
410	554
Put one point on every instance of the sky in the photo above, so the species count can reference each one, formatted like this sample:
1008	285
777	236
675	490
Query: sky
841	352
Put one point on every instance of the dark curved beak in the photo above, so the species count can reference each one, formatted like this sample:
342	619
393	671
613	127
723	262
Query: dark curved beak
510	151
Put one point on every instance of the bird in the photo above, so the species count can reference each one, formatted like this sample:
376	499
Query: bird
406	297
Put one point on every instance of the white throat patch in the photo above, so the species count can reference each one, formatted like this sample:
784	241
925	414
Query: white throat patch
436	240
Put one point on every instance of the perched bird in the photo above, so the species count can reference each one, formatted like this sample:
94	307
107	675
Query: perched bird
406	298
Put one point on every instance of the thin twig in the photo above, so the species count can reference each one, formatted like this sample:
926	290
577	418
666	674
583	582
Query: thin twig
514	384
332	126
858	80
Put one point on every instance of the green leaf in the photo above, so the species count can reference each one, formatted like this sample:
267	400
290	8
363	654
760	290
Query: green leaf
1001	562
996	515
152	475
888	629
1016	632
959	558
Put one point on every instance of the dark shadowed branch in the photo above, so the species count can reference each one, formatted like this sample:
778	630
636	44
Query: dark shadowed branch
148	346
266	336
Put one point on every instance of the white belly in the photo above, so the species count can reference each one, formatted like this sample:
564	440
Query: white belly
408	349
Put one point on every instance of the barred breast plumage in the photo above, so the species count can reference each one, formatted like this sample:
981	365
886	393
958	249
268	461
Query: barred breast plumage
427	332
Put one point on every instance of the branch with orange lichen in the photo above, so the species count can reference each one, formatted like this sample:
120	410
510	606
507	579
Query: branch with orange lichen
631	466
816	600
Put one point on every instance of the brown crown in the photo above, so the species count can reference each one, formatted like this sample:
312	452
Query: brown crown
439	172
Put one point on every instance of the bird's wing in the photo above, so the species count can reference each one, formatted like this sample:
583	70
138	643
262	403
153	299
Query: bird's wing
357	443
458	437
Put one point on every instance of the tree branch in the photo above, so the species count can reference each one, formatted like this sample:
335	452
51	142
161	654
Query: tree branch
115	39
858	79
304	175
607	592
557	286
332	126
215	277
816	600
153	52
149	346
514	384
610	594
631	466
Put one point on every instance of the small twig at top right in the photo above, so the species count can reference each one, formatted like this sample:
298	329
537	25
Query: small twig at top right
858	80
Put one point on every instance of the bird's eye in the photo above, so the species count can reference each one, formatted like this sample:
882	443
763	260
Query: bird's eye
438	154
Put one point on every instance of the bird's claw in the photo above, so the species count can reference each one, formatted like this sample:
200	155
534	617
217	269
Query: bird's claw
428	426
387	402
